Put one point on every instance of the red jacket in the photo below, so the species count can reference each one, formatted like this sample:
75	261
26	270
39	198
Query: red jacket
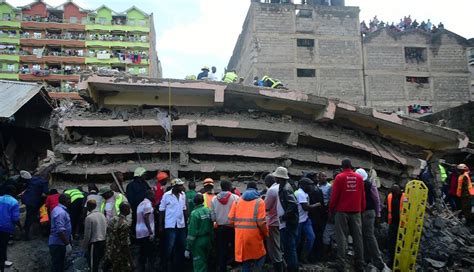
348	194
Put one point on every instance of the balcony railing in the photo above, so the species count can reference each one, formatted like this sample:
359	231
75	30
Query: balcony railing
51	36
113	38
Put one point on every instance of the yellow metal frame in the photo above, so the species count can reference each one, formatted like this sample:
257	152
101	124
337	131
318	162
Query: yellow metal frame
411	224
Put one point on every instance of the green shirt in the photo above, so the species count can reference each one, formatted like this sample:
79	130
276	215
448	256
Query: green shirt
200	226
190	199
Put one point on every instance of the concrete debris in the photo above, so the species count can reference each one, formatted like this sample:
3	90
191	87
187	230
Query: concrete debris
446	243
120	139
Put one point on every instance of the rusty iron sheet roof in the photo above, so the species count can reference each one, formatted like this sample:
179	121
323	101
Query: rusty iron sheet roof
15	94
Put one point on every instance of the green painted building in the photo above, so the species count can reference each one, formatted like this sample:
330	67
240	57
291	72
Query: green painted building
39	42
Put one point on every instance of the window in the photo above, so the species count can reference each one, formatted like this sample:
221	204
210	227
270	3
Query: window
84	20
418	80
6	17
304	13
102	20
305	42
73	20
415	54
306	72
142	23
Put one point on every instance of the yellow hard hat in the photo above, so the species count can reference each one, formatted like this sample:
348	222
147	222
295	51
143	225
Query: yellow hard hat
205	68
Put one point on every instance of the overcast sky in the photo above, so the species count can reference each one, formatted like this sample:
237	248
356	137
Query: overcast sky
193	33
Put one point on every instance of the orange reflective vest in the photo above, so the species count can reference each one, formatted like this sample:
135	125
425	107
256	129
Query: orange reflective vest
248	219
44	217
469	184
389	203
208	197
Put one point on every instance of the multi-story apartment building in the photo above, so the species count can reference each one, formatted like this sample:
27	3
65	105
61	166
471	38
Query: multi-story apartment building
39	42
317	48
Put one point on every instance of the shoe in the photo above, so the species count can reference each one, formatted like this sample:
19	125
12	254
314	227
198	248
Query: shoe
8	263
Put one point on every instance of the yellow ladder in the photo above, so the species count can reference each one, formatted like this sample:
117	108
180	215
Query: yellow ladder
411	224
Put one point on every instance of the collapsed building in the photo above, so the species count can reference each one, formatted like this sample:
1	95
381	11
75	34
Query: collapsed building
198	129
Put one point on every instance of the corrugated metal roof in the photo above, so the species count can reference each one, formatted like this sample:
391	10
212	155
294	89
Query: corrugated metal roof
15	94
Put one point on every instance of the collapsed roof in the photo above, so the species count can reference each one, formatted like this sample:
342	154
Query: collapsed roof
230	130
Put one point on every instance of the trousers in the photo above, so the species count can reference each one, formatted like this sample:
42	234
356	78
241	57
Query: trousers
371	248
306	229
95	254
288	243
201	248
4	237
225	246
349	223
58	257
273	245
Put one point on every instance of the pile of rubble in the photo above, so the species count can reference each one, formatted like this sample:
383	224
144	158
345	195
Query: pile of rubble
447	243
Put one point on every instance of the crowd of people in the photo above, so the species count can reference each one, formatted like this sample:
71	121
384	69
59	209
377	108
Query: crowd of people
405	24
287	224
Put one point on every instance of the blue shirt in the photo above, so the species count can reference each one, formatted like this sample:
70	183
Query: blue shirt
9	213
202	75
60	222
326	189
36	188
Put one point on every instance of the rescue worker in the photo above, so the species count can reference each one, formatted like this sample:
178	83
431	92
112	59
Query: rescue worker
204	73
395	201
207	192
230	77
110	207
162	179
271	83
465	192
190	195
200	233
248	217
75	208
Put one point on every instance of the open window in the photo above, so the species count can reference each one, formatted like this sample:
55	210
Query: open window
305	42
418	80
305	72
304	13
415	54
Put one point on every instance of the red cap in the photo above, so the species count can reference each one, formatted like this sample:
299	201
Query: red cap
161	176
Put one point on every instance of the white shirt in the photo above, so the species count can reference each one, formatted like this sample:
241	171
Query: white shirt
302	197
173	208
212	76
144	208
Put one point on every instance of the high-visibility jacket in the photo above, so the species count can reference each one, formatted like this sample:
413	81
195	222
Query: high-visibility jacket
44	217
442	172
118	200
248	219
74	194
461	181
208	197
270	82
230	77
389	204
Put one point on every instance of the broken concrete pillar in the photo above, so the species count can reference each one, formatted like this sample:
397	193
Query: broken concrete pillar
183	158
192	131
292	139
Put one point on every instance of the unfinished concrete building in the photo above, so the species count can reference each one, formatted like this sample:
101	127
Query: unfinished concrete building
319	50
233	132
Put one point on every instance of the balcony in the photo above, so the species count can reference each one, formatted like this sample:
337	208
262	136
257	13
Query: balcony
9	57
52	59
10	24
9	75
117	58
59	42
10	38
45	74
51	23
123	44
117	27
